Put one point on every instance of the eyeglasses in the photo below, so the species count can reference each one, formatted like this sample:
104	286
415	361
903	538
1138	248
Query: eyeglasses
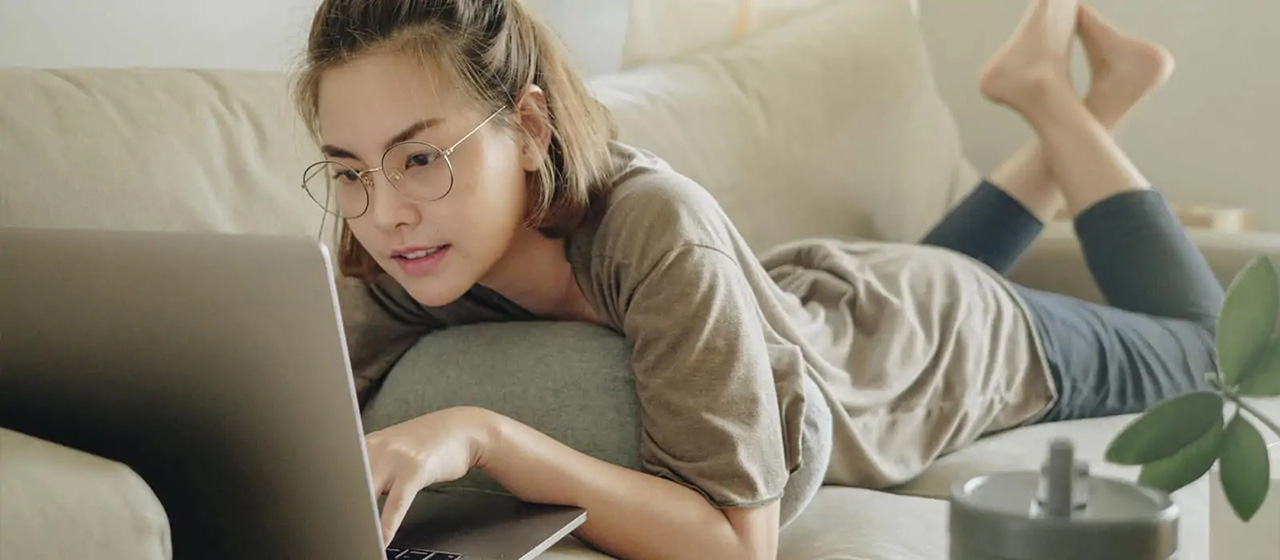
410	167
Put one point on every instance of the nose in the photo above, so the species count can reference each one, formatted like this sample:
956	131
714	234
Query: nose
387	208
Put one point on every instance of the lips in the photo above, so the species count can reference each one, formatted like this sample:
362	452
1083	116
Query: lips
418	253
418	261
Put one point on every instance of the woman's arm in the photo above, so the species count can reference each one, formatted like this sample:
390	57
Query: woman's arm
630	514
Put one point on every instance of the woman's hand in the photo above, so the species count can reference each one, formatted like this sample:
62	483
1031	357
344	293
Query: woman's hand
408	457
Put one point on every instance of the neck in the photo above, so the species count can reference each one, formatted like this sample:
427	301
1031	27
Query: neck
535	274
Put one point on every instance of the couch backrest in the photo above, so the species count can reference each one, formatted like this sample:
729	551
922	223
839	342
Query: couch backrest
827	125
152	149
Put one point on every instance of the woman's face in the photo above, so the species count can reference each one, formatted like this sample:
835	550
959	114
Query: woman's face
436	249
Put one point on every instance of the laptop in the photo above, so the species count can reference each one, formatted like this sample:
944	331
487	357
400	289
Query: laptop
215	366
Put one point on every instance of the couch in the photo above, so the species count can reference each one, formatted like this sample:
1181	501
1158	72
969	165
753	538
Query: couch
826	124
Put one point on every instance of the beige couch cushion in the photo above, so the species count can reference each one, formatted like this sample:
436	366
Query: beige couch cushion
828	124
662	30
57	502
152	149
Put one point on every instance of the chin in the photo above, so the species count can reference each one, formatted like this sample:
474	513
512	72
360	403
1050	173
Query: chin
435	292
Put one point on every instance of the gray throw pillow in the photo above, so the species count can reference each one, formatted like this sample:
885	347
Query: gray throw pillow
571	381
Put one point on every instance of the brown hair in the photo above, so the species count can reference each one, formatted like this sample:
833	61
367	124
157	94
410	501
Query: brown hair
495	50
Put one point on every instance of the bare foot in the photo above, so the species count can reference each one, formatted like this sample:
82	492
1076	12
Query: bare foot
1035	60
1124	68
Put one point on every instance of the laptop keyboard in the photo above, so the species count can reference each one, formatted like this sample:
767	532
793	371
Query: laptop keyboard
394	553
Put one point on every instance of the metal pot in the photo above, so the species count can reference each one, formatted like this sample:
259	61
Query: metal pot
1060	513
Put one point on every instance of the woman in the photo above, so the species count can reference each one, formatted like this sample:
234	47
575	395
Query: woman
477	181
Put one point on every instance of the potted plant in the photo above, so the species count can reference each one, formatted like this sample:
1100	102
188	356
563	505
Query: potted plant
1179	440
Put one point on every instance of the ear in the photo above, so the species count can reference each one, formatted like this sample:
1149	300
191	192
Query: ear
535	120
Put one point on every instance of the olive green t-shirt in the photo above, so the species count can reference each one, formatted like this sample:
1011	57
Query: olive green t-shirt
913	350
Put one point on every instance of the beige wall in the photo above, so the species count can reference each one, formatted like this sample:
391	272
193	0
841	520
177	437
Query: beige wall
246	34
604	35
1212	136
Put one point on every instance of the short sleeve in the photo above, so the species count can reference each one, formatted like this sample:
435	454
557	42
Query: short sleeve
709	408
380	324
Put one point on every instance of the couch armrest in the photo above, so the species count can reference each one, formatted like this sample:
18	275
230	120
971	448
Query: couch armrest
58	502
1055	263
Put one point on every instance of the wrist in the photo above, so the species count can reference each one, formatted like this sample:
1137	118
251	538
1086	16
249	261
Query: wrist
483	433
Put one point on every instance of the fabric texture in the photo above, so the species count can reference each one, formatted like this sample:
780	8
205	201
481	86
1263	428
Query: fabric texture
57	502
923	350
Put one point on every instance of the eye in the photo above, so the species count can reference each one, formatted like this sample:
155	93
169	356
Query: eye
346	175
420	159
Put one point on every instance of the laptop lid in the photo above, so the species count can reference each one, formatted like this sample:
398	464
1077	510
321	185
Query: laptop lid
214	365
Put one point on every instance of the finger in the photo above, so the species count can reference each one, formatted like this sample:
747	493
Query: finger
399	498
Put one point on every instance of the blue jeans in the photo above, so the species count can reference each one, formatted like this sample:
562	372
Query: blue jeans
1155	337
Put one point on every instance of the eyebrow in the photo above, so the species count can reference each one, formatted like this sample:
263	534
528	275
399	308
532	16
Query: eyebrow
409	132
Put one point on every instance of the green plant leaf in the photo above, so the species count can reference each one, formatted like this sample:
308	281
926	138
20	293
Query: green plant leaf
1263	378
1245	469
1184	467
1166	428
1247	319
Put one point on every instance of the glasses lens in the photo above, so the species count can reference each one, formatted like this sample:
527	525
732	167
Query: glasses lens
336	188
418	170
